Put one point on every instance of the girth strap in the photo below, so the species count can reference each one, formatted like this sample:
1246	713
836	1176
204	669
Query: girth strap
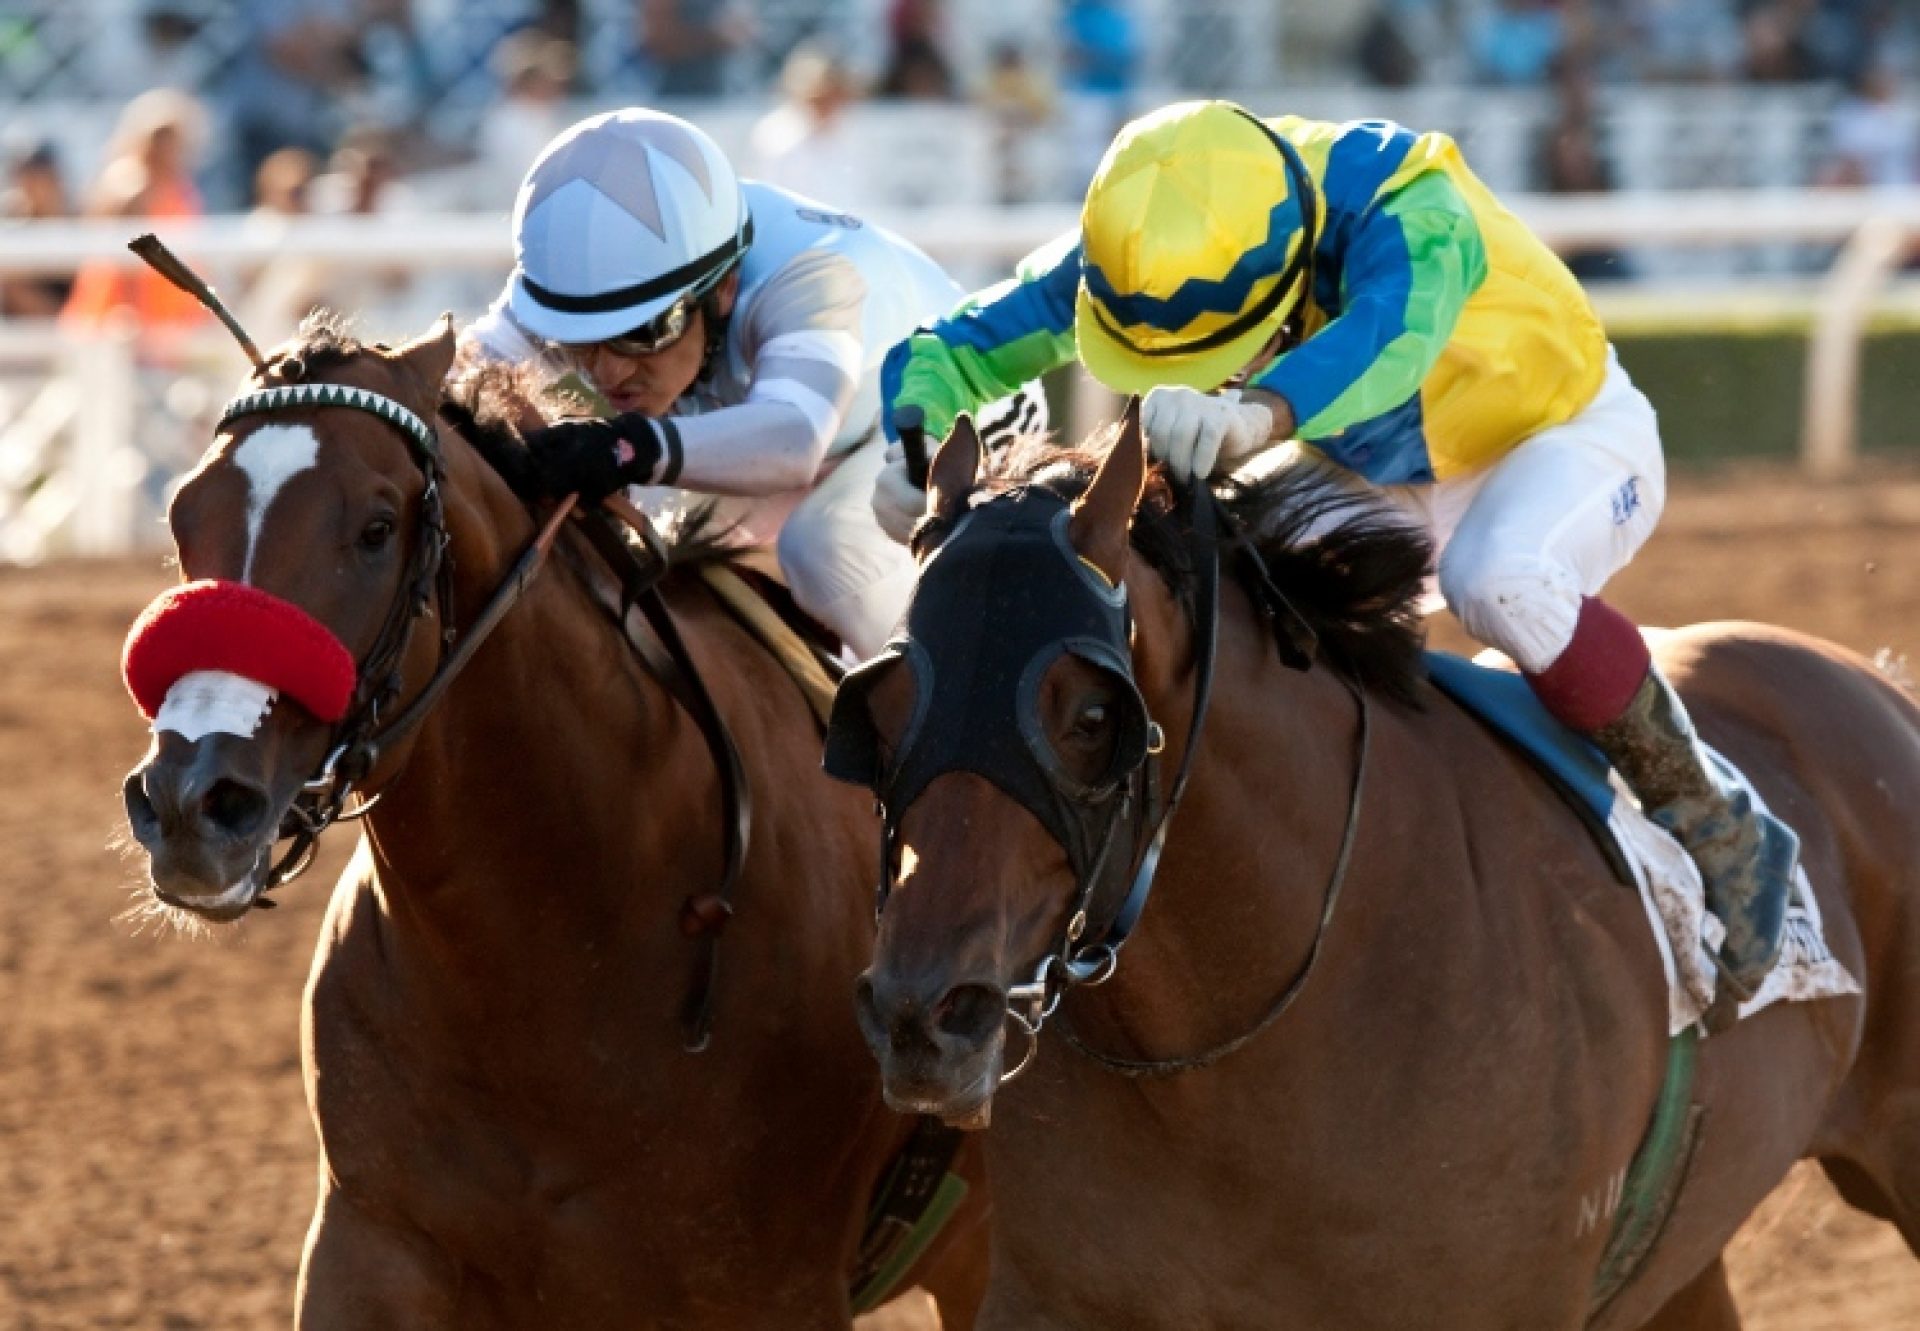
703	917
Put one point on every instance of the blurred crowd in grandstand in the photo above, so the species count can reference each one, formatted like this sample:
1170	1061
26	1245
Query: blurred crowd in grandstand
386	106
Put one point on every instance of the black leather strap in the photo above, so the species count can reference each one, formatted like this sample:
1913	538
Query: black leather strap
703	916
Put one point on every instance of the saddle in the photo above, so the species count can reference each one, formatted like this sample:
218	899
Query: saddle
748	584
1570	764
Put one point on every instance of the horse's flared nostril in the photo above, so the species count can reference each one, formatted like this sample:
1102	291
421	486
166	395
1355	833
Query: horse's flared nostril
970	1013
233	808
142	818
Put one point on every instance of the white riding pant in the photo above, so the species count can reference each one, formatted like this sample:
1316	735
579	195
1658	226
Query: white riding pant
839	562
1522	541
841	568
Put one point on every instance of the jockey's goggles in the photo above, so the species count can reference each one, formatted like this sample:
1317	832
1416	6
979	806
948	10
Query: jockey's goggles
660	332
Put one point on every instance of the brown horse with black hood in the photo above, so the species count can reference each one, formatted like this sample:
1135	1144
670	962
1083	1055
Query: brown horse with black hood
1389	1033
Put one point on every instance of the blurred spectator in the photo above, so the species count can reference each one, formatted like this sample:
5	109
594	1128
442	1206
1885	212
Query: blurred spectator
1571	163
148	174
1875	140
1517	42
917	67
1685	41
282	184
1385	51
1018	101
691	44
1100	63
802	144
296	64
34	191
535	71
278	294
1800	40
363	177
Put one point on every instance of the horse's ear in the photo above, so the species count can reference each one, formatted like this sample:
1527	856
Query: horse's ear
430	355
1103	516
955	468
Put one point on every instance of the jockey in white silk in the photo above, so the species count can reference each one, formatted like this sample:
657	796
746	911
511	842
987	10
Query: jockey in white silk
633	234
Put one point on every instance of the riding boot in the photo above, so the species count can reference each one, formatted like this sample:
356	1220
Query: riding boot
1746	856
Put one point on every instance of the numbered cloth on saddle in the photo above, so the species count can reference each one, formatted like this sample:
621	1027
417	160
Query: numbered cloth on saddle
229	626
1000	602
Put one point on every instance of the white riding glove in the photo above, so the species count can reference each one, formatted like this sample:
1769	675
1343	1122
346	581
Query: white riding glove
1197	434
898	504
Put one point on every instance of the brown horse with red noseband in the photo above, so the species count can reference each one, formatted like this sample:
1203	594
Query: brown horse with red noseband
1426	1136
511	1135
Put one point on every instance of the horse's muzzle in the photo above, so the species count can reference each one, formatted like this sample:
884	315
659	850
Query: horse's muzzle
939	1047
206	823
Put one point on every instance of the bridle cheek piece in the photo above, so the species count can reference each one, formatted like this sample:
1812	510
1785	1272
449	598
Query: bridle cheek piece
1002	601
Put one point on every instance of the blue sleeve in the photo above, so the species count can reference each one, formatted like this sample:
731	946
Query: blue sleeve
1410	268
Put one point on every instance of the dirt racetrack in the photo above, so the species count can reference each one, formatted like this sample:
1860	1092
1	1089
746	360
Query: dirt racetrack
156	1161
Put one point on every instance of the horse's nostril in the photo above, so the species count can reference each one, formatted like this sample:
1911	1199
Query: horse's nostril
971	1012
142	817
233	808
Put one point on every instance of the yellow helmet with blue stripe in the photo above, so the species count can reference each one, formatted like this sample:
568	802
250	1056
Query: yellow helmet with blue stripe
1197	243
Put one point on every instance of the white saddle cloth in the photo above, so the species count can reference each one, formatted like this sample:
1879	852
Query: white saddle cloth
1689	937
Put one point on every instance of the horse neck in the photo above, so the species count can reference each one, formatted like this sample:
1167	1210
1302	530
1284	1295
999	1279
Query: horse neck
557	781
1252	848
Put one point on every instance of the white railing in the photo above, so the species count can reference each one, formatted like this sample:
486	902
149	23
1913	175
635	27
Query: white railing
89	433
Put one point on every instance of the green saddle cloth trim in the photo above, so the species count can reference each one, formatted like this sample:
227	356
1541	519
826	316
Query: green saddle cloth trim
910	1244
1653	1180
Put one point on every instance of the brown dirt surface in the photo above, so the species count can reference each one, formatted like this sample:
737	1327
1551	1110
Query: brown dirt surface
156	1159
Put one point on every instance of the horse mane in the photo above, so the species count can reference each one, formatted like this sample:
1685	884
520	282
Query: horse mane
1353	566
483	402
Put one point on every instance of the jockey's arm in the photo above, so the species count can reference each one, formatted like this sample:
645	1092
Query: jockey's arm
994	343
1410	268
803	341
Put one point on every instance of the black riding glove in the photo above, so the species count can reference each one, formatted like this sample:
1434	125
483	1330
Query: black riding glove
592	458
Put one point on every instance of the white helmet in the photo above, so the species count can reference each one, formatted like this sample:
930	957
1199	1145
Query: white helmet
623	217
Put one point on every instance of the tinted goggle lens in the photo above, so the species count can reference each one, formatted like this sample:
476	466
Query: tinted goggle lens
659	332
656	335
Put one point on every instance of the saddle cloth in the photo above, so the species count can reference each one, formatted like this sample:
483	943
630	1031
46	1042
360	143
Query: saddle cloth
1665	876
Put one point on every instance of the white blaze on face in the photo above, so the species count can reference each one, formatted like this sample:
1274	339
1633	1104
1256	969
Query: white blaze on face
206	701
271	456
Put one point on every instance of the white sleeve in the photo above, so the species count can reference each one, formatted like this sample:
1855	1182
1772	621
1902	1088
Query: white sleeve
495	335
802	342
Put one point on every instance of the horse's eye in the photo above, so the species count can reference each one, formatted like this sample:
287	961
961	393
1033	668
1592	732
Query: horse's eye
1092	721
375	535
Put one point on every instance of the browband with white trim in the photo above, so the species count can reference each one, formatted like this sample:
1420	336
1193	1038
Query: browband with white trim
418	432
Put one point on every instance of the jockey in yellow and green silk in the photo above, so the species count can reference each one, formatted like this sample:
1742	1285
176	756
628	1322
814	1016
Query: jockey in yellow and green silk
1356	287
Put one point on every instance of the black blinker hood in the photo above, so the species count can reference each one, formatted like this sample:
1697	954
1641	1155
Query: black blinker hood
1002	599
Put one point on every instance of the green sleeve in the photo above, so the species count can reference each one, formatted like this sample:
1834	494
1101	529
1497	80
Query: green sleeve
996	341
